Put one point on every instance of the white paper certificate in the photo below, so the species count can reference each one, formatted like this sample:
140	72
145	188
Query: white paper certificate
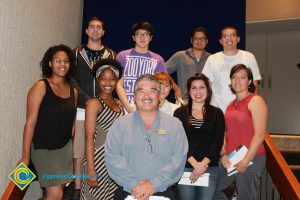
129	197
236	156
201	181
80	115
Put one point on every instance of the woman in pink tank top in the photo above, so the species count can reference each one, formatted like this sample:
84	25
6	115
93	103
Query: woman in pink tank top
245	121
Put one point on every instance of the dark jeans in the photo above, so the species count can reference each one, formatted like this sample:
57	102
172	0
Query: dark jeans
188	192
171	193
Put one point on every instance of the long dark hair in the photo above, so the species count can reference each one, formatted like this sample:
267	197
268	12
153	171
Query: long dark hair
199	76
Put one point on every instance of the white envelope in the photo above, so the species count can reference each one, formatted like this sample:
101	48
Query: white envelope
129	197
80	115
201	181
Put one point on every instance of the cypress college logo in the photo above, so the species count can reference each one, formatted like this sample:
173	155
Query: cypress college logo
22	176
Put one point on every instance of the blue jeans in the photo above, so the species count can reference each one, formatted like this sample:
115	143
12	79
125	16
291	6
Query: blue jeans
198	192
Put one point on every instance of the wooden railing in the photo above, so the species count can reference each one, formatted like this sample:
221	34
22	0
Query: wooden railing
12	192
282	176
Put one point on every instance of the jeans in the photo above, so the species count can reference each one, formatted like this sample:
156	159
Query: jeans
198	192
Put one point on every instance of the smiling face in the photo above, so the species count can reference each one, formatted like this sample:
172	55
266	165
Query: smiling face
229	39
240	81
60	64
198	91
146	96
107	81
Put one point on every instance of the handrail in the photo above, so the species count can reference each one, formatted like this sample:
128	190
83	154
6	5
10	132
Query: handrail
12	192
282	176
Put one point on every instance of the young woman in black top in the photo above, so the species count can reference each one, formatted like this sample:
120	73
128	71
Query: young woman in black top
51	108
204	126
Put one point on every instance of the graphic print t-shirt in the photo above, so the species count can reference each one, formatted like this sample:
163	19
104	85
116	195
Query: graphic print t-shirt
136	64
93	55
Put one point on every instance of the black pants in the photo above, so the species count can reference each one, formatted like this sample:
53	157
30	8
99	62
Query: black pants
171	193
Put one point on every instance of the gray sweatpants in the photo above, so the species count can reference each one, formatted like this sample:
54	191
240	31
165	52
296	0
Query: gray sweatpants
246	183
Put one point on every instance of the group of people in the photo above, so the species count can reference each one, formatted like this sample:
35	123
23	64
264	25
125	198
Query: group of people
107	116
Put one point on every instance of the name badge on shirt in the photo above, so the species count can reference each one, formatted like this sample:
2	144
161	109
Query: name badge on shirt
160	132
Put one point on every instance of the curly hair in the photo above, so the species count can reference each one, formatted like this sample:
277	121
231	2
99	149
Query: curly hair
48	56
108	61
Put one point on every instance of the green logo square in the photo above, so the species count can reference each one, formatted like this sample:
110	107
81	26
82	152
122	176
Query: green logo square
22	176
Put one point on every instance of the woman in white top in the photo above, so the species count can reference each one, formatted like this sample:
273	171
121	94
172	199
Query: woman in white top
166	83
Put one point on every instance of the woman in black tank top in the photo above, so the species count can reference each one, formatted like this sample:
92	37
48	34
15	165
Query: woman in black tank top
51	108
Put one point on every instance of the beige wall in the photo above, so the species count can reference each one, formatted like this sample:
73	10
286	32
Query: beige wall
28	28
261	10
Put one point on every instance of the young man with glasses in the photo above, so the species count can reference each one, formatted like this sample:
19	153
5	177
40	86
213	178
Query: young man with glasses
218	66
188	62
136	62
145	150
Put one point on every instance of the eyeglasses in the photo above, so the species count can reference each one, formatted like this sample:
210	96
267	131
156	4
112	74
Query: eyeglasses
149	145
227	36
61	61
140	34
200	38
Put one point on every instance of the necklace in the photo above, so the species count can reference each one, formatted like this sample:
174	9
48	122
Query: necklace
240	99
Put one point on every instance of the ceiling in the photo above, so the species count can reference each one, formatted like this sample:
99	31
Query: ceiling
271	26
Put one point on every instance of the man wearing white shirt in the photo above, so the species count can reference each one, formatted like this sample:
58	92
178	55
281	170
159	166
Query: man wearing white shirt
217	67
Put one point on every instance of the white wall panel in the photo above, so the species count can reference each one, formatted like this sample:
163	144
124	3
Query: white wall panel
27	29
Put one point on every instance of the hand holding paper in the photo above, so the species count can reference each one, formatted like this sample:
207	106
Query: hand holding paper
225	161
129	197
194	176
201	181
241	166
235	157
